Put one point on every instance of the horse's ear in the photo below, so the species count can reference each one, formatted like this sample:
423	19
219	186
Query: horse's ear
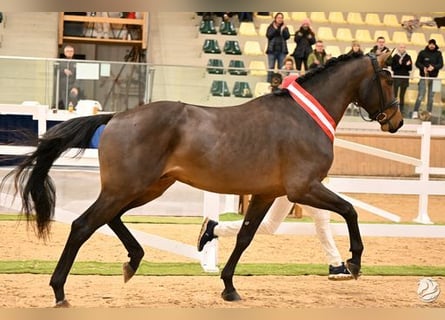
383	58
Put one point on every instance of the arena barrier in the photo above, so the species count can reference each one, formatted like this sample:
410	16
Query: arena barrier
213	204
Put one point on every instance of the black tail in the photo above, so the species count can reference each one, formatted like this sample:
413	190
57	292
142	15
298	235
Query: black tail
31	177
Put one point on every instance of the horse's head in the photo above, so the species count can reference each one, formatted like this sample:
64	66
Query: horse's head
376	95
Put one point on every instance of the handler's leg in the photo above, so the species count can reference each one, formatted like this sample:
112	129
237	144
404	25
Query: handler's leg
337	269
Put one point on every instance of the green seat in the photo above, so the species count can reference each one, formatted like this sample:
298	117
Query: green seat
207	27
227	28
232	47
219	88
236	67
242	89
215	66
211	46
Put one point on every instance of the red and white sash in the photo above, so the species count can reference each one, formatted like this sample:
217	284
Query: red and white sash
313	108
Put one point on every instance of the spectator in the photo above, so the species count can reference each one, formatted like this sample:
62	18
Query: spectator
277	213
69	89
318	57
380	48
355	48
429	61
277	34
288	67
401	66
304	38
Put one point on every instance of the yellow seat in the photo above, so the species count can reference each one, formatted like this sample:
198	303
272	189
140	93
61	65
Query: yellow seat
344	34
257	68
406	18
325	34
418	39
336	17
400	37
299	16
373	19
252	48
247	29
384	34
291	47
363	35
439	40
334	51
390	20
291	29
427	22
413	55
262	88
354	18
263	29
318	17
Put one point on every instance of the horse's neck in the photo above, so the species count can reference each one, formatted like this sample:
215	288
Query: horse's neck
336	93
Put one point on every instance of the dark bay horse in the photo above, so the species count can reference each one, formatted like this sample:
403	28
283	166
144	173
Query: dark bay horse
267	147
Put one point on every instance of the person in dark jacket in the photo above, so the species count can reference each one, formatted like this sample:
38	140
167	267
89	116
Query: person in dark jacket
277	34
380	48
401	66
429	61
304	38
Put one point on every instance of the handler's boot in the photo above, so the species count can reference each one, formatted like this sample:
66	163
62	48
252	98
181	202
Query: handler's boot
339	273
206	234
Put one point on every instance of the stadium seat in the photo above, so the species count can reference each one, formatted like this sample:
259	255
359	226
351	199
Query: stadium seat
354	18
418	39
318	17
363	36
291	46
219	88
262	88
227	28
247	29
242	89
207	27
384	34
390	20
257	68
400	37
215	66
299	16
263	29
372	19
427	22
252	48
211	46
344	34
236	67
406	18
232	47
412	54
336	17
291	29
334	51
439	40
325	34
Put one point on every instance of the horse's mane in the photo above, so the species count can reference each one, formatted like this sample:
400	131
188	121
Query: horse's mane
329	64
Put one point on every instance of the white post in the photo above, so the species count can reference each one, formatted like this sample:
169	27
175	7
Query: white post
212	210
41	119
425	134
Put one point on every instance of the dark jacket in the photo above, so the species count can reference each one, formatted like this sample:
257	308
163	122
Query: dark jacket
304	39
277	39
401	69
388	61
427	57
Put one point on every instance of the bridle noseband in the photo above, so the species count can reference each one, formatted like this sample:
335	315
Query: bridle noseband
380	116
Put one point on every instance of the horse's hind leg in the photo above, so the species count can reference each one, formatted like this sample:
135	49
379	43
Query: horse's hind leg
135	251
255	213
99	213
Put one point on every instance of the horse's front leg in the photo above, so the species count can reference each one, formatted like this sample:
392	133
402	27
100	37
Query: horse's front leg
323	198
256	211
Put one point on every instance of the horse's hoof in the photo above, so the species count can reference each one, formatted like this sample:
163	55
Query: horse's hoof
354	269
62	304
230	296
128	272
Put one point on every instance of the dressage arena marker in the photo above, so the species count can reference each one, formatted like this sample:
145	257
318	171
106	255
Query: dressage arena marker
212	205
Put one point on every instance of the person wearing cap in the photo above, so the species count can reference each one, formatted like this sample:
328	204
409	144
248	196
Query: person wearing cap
304	38
429	61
